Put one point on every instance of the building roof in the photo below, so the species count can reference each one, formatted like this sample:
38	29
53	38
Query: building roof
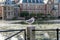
32	1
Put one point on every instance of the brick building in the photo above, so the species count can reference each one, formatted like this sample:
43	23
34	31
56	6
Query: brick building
8	10
38	6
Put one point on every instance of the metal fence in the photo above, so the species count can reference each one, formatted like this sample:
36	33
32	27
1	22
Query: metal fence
46	34
11	33
53	33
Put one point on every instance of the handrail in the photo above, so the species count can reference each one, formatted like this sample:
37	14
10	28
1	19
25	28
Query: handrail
12	30
57	30
13	35
44	30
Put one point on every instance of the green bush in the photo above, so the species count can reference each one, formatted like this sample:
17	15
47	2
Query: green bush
32	15
40	16
24	14
14	18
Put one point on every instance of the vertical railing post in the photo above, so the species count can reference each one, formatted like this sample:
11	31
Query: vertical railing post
25	35
30	33
57	33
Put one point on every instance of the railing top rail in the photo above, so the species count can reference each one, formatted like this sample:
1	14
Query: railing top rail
11	30
46	30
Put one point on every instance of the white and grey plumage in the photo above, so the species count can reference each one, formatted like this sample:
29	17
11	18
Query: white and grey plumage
30	21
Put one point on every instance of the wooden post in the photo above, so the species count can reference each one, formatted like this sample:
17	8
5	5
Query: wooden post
30	33
57	33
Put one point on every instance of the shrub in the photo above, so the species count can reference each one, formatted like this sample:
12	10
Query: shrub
24	14
32	15
14	18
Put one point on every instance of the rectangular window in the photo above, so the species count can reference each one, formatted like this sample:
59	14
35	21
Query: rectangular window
8	3
41	1
56	7
8	13
56	1
8	8
37	1
24	1
13	2
33	1
29	1
5	2
4	8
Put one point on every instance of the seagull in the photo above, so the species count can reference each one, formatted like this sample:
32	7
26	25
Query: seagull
30	21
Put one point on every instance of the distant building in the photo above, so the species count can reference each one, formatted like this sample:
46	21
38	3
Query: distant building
38	6
8	9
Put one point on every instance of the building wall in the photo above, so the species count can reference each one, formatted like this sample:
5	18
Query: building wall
33	8
7	9
9	12
42	8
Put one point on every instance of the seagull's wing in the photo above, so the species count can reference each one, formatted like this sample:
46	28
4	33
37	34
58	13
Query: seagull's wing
30	20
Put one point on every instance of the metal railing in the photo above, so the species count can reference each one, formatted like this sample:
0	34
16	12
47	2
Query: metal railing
56	30
20	30
34	30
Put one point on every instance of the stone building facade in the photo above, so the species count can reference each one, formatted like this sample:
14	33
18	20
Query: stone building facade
8	10
38	6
